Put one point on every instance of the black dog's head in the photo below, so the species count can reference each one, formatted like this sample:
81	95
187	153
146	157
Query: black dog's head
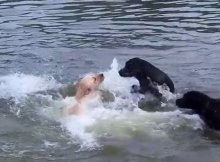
133	68
194	100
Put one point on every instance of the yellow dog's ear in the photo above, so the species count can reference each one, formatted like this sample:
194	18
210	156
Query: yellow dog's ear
87	91
82	89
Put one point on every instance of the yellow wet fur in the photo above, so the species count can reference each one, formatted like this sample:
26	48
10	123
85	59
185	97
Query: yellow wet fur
85	89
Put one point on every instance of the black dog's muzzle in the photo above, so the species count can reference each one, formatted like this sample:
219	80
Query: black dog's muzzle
124	73
180	103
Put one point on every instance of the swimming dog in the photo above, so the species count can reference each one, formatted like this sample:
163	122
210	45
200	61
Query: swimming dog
206	107
85	89
147	75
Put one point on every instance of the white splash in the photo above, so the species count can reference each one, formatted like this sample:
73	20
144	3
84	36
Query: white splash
114	83
19	85
120	118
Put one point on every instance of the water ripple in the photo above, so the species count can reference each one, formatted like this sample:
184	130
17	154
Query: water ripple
164	28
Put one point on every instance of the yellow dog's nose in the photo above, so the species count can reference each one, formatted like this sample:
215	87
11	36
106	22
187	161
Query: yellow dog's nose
101	75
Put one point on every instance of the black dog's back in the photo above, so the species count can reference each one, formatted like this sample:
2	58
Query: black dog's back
170	84
157	75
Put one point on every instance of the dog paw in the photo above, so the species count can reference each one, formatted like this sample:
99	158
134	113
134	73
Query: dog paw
135	89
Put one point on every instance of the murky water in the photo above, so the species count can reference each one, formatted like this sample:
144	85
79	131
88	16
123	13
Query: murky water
48	44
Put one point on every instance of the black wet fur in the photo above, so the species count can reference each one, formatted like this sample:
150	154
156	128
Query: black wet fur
206	107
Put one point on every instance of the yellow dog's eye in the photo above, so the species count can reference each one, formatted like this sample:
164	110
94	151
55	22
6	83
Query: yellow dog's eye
94	79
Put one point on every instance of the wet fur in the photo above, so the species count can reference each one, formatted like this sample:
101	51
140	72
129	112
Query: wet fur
206	107
148	76
86	88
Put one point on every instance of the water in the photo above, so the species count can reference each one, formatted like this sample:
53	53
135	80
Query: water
45	45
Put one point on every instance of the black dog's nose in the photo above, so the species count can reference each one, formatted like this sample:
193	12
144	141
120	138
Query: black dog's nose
179	103
177	100
119	72
124	73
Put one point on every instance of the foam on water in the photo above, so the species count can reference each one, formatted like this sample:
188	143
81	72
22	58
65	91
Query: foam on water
19	85
120	118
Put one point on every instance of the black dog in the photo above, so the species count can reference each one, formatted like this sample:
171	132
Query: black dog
147	75
206	107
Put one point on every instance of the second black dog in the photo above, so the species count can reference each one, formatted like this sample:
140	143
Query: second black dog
147	75
206	107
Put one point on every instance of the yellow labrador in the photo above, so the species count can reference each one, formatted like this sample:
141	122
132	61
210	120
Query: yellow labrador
85	88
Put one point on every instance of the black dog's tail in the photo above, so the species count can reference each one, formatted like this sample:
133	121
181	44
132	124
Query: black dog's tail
170	84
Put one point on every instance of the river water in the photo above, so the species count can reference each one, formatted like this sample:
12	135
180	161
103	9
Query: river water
45	45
